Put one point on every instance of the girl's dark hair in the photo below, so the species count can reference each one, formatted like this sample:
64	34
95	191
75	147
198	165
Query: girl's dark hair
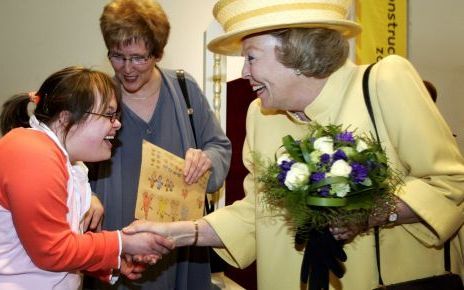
73	89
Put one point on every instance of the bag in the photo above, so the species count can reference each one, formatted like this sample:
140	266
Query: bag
448	281
442	282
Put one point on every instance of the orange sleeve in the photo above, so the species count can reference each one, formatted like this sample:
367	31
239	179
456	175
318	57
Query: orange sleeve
33	187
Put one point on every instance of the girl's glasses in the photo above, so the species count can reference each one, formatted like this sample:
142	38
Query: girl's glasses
112	116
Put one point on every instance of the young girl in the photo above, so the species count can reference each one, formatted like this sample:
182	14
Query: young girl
44	189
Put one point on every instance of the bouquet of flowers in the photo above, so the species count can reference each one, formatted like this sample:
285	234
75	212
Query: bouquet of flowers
331	177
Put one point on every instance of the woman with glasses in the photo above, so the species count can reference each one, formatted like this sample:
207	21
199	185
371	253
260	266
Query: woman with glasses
154	109
44	189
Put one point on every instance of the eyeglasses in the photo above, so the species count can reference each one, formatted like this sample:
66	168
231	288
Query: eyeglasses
112	116
120	59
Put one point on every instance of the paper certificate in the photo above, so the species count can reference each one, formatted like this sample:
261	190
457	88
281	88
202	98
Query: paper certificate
163	196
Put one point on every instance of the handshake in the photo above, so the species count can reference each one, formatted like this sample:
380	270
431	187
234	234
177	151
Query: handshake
145	242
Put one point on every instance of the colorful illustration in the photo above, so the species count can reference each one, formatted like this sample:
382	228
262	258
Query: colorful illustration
163	195
147	198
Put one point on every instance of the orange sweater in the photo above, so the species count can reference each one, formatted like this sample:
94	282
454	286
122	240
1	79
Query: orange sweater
33	182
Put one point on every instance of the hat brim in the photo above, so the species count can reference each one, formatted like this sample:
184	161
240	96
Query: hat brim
231	43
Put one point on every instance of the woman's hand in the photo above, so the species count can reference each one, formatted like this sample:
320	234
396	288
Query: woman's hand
401	211
131	269
94	216
145	243
140	226
180	233
347	233
197	163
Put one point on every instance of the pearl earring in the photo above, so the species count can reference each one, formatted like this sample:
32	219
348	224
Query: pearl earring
298	72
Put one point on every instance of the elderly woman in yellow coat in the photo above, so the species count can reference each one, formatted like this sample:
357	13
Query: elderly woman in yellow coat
296	61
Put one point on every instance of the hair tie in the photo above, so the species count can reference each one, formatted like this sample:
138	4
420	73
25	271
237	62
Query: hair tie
33	97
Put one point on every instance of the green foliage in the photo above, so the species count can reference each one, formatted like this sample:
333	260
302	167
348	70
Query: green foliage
375	193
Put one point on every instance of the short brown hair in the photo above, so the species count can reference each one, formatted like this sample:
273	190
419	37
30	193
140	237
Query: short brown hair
316	52
124	22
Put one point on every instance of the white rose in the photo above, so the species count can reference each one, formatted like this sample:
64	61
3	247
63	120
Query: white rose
324	144
361	146
282	158
297	176
340	168
340	189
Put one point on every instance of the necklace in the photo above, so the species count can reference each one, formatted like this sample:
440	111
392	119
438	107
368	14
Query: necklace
137	98
134	97
301	116
153	87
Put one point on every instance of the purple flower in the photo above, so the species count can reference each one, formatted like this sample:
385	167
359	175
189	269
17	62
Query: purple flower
358	172
281	177
324	191
325	158
346	137
339	154
286	165
284	168
317	176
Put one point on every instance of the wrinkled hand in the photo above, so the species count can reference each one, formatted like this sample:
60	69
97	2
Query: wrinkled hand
147	259
145	244
94	216
197	163
131	269
347	233
140	226
181	233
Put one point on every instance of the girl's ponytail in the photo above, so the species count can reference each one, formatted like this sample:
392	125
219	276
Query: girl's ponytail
14	113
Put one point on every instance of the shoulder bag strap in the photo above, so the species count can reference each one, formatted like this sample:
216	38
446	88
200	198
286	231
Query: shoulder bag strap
183	87
367	100
209	207
447	255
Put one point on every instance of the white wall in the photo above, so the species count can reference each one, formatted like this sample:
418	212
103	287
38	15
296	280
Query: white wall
39	37
189	19
436	48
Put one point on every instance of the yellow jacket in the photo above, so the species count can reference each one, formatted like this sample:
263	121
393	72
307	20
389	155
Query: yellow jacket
418	143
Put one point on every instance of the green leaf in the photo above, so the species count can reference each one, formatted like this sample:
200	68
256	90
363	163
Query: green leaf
326	201
328	181
292	148
359	201
304	146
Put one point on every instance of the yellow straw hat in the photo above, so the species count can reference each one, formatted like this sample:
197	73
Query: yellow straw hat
240	18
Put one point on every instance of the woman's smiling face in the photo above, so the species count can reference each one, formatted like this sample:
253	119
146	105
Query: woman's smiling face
273	83
133	76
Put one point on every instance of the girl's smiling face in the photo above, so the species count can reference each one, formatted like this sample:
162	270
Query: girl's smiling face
90	140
